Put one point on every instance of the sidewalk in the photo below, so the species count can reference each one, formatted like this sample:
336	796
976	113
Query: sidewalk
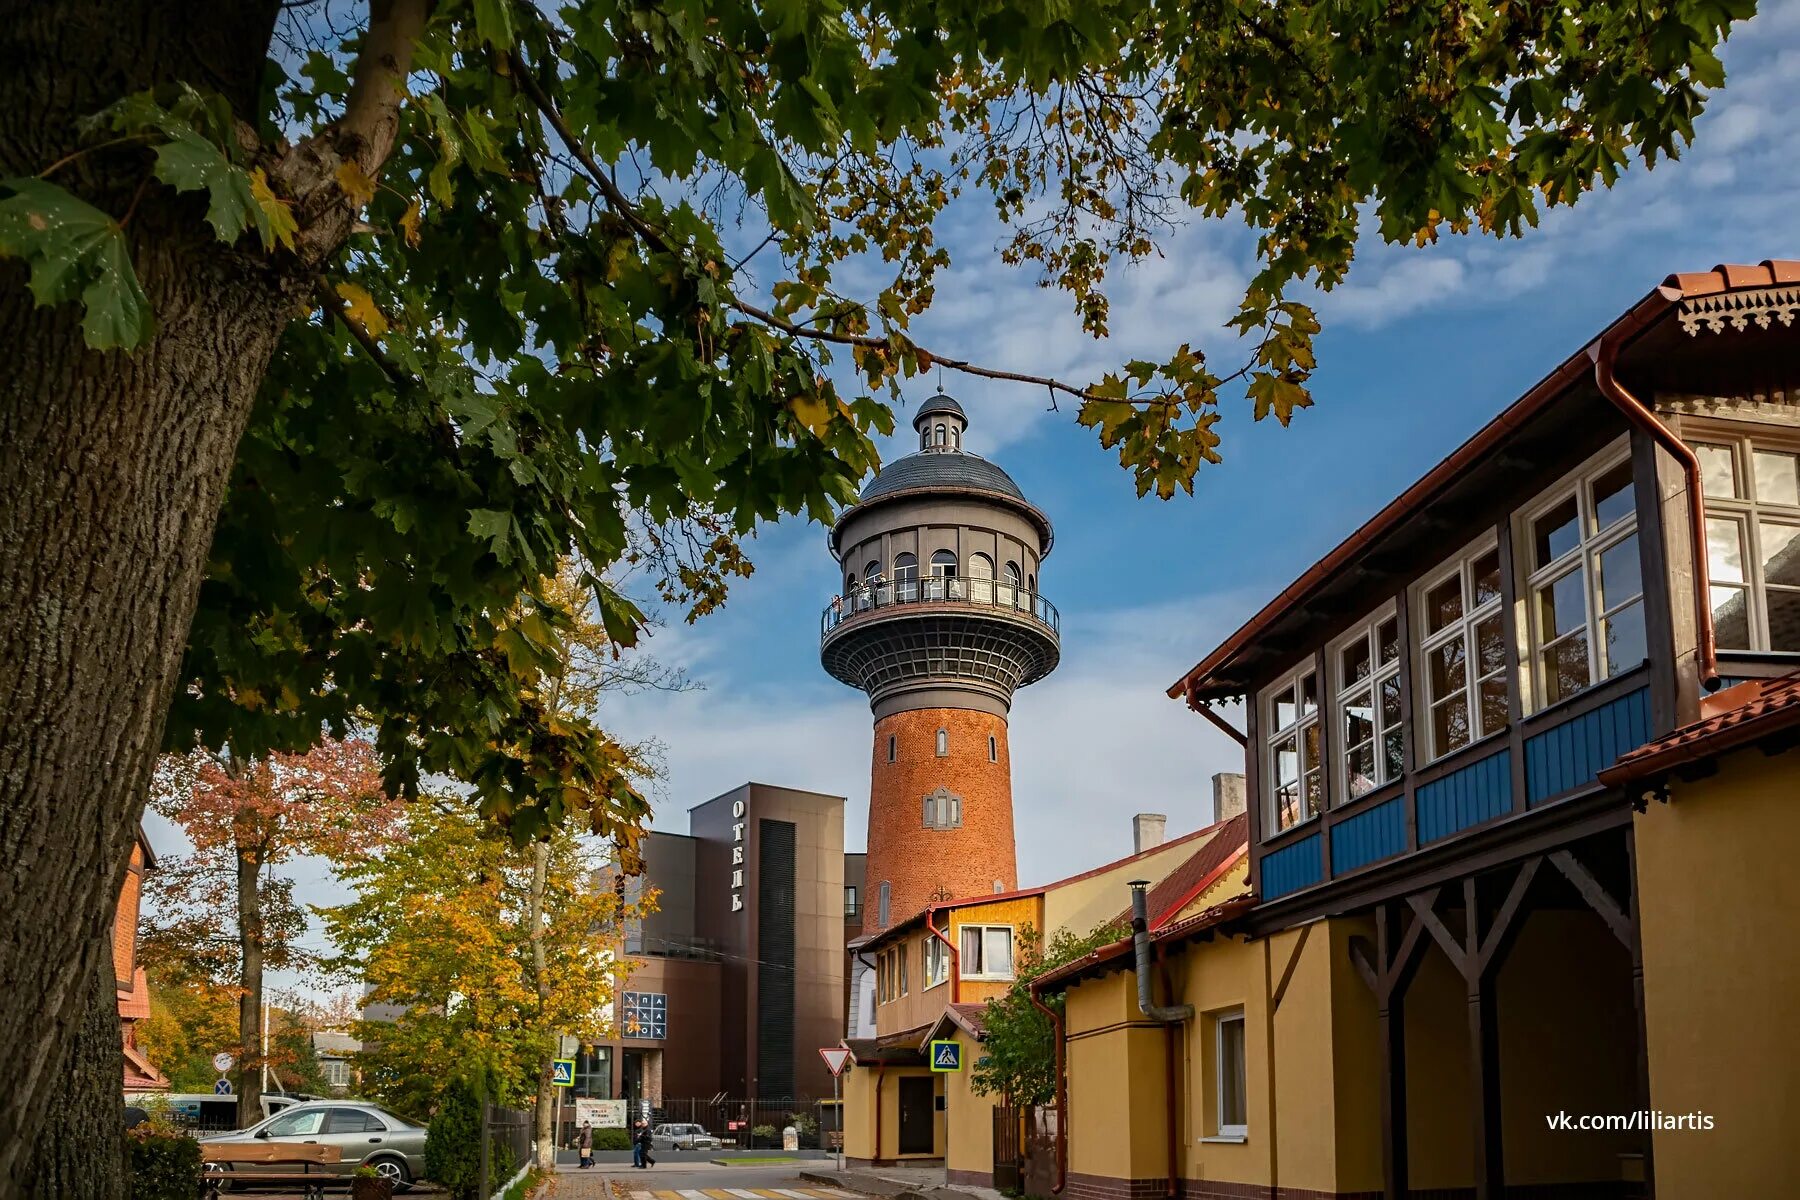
894	1183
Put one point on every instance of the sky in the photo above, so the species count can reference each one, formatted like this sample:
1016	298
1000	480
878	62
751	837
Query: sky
1419	349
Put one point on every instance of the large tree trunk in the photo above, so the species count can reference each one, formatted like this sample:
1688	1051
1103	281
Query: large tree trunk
69	1162
540	969
112	469
250	984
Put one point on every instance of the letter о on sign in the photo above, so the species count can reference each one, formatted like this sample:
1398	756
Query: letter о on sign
946	1056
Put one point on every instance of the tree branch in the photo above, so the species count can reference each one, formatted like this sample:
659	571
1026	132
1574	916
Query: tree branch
371	117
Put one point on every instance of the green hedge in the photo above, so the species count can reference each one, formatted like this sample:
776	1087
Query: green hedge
612	1139
164	1166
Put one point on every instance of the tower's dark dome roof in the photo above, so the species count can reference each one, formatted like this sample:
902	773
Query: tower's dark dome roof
939	403
941	468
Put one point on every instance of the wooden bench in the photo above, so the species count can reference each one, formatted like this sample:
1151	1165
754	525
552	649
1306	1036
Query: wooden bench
273	1162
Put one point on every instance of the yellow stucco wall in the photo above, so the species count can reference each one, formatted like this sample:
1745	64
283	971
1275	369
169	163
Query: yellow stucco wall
968	1115
1080	904
860	1085
1718	893
1116	1083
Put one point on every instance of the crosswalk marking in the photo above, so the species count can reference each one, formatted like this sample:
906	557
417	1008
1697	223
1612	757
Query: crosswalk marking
794	1195
717	1193
693	1194
744	1194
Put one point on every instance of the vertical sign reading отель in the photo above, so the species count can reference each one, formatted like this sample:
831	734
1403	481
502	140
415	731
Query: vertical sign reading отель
737	856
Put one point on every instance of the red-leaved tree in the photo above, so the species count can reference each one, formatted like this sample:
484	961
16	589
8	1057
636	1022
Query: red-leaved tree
223	912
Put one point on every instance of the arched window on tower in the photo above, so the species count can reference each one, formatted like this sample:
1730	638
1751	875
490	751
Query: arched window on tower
943	743
981	578
874	589
943	810
881	906
942	584
955	438
993	748
942	438
1014	585
906	577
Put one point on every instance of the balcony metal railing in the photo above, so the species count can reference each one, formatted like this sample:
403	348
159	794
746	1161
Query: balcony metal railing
988	593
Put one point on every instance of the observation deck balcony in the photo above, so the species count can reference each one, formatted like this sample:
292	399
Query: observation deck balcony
987	593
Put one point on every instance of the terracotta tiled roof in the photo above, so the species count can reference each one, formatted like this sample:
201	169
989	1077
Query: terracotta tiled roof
1199	871
1210	678
1737	716
134	1002
902	1047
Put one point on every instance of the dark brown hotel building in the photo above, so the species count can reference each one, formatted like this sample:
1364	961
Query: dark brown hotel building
738	978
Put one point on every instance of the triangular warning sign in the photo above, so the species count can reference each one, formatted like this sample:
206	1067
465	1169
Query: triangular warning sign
836	1057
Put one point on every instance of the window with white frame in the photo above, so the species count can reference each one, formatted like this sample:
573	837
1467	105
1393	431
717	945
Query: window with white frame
1585	590
937	961
986	951
1233	1104
1296	778
1371	734
1752	491
881	905
1462	651
900	966
943	743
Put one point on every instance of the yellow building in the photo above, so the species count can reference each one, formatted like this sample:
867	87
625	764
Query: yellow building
1523	812
935	971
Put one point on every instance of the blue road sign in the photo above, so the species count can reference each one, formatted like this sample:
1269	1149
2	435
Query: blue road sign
562	1072
946	1056
222	1087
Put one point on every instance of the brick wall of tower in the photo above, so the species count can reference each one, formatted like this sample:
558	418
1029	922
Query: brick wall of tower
915	861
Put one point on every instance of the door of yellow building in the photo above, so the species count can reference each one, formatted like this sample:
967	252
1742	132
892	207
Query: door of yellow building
916	1119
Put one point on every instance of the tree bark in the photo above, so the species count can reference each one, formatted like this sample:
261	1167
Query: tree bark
546	1092
72	1160
112	470
250	984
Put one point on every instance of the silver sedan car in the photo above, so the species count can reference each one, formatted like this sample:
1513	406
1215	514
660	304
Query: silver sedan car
683	1137
366	1136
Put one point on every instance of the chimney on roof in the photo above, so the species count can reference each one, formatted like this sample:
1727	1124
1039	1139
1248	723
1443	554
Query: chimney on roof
1147	831
1228	795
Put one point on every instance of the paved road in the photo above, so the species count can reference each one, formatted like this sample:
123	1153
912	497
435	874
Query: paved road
696	1181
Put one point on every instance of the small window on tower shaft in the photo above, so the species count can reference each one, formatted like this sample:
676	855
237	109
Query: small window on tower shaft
893	747
881	907
993	748
943	743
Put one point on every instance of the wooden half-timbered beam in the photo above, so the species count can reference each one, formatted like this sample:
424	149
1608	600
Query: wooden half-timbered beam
1597	897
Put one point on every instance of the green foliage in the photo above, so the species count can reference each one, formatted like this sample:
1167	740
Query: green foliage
76	253
1018	1055
163	1166
588	305
453	1138
612	1139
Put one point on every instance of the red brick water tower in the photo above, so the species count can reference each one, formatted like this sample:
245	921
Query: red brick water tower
939	621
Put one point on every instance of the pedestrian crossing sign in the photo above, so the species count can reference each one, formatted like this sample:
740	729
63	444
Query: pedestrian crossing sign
562	1072
946	1056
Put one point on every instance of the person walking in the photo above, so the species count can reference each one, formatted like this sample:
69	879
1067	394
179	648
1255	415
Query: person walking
584	1142
644	1145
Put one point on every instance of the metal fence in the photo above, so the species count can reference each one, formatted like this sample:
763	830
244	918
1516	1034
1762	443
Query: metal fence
505	1145
737	1122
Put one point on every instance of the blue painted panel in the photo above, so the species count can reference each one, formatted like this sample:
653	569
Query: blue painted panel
1571	754
1369	836
1467	796
1292	867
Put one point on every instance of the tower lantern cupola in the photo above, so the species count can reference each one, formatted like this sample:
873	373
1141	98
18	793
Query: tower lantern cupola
940	621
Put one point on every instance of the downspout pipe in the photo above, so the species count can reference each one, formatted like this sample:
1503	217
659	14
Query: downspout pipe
1170	1015
1167	1014
880	1070
955	958
1062	1088
1605	353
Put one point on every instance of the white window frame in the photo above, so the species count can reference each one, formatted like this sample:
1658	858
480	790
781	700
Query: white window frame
943	809
1749	513
1223	1130
1460	566
943	743
937	962
1584	556
900	966
1368	633
979	971
1297	730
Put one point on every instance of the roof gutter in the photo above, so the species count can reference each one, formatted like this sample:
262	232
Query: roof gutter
1465	456
1605	352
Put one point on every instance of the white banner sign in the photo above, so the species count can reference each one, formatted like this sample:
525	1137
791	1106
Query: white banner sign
601	1114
